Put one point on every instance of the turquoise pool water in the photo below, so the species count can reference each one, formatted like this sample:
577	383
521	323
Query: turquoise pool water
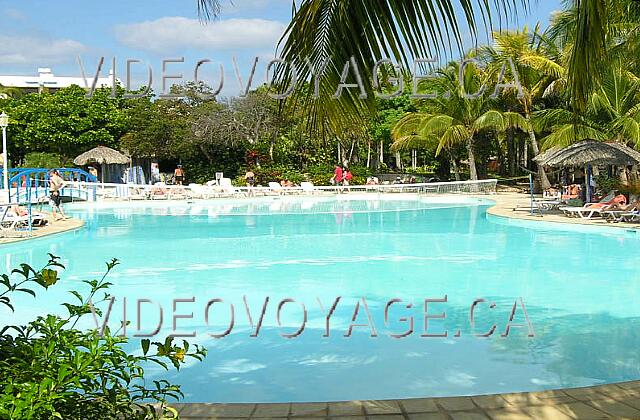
580	289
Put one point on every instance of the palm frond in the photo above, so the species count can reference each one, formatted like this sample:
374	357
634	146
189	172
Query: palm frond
456	134
208	9
437	125
490	120
589	52
331	32
568	134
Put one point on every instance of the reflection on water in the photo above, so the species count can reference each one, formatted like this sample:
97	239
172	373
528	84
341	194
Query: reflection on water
580	291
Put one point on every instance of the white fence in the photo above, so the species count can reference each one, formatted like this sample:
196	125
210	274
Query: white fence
105	191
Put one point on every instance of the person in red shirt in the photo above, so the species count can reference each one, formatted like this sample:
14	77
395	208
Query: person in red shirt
347	177
337	175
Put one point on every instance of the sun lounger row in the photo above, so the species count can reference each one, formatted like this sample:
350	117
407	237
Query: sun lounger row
15	219
615	210
161	191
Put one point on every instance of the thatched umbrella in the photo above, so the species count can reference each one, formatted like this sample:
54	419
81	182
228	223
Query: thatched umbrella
589	153
102	155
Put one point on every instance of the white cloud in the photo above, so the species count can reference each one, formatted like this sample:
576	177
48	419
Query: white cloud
15	14
37	51
229	7
170	34
238	366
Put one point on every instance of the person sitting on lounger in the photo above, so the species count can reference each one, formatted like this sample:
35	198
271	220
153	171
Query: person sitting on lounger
623	208
572	192
618	199
18	211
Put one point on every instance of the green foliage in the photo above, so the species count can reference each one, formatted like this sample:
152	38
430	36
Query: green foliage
42	160
605	183
65	122
50	369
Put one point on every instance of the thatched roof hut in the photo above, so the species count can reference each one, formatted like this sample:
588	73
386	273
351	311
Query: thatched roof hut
589	153
102	155
113	163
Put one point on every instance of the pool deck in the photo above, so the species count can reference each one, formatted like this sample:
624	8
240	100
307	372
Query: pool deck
52	228
620	401
615	401
506	202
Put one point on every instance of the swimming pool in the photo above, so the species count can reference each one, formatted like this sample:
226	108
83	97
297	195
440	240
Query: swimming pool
578	287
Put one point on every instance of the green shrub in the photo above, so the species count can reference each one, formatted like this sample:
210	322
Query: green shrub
42	160
318	175
49	369
605	183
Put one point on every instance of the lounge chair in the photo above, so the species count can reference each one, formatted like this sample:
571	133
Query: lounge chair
590	210
228	188
583	212
139	194
276	188
177	193
308	188
631	217
11	222
615	213
158	192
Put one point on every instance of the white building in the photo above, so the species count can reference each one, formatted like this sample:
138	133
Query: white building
47	81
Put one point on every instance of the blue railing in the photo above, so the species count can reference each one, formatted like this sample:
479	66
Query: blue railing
32	184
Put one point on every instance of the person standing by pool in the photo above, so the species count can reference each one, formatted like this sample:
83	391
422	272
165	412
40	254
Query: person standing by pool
93	171
179	175
348	176
56	184
337	175
250	179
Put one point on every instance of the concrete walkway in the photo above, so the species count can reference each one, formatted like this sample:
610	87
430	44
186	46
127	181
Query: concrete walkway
507	202
52	228
621	401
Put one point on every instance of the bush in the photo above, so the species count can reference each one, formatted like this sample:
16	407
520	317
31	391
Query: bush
605	183
49	369
42	160
318	175
272	173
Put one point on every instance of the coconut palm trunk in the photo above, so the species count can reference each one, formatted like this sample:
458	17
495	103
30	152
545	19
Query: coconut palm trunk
456	171
473	173
544	179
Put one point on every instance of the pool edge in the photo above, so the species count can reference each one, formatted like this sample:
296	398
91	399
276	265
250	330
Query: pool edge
616	400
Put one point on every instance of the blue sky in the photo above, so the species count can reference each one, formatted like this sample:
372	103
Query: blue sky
38	33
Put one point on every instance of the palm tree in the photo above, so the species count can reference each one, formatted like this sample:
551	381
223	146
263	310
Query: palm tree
536	72
9	92
594	32
328	34
612	113
454	118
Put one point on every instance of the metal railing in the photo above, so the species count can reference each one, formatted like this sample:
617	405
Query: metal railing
32	184
110	191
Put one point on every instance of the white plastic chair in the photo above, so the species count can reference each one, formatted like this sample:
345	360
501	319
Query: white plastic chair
308	187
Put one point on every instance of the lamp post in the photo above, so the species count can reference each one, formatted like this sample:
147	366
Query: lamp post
4	123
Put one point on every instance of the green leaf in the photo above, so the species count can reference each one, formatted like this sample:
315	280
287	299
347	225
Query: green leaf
145	346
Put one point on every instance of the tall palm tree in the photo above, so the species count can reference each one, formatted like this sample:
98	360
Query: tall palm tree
612	113
453	118
593	31
536	71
